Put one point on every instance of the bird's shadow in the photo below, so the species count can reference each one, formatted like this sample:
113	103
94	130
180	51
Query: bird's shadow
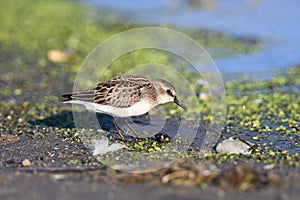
65	119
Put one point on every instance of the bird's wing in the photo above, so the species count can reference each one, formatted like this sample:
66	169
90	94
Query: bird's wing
122	91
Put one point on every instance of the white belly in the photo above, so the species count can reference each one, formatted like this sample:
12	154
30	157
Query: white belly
136	109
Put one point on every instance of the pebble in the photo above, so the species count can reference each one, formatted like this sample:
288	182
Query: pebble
59	56
26	163
102	146
232	146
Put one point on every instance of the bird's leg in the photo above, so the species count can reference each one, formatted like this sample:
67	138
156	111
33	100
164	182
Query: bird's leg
126	122
117	129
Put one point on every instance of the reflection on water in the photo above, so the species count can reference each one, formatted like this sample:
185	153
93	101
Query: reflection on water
272	21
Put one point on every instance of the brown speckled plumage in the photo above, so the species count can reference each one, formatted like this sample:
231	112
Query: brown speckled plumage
121	91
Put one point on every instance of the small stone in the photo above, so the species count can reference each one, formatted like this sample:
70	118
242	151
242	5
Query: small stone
258	101
102	146
231	146
204	96
59	56
26	163
59	176
269	166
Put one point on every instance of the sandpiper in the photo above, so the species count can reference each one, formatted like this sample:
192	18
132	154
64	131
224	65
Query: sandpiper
125	96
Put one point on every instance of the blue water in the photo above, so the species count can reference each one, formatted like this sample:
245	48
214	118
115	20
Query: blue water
273	22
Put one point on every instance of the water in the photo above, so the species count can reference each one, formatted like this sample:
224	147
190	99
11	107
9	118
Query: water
273	22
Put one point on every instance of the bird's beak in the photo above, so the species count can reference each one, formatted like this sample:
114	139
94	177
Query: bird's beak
180	104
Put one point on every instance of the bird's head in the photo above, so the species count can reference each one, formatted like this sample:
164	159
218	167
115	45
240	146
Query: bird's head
167	93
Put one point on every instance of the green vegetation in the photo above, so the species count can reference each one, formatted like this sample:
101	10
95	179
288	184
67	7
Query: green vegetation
29	29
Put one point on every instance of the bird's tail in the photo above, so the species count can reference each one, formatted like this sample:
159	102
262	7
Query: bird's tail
67	96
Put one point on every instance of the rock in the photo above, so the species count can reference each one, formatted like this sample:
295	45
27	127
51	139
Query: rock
26	163
59	56
204	96
232	146
102	146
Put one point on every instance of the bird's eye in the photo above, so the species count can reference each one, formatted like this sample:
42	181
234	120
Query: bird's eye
169	92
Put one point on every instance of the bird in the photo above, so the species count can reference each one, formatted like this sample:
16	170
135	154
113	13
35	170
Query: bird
125	96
